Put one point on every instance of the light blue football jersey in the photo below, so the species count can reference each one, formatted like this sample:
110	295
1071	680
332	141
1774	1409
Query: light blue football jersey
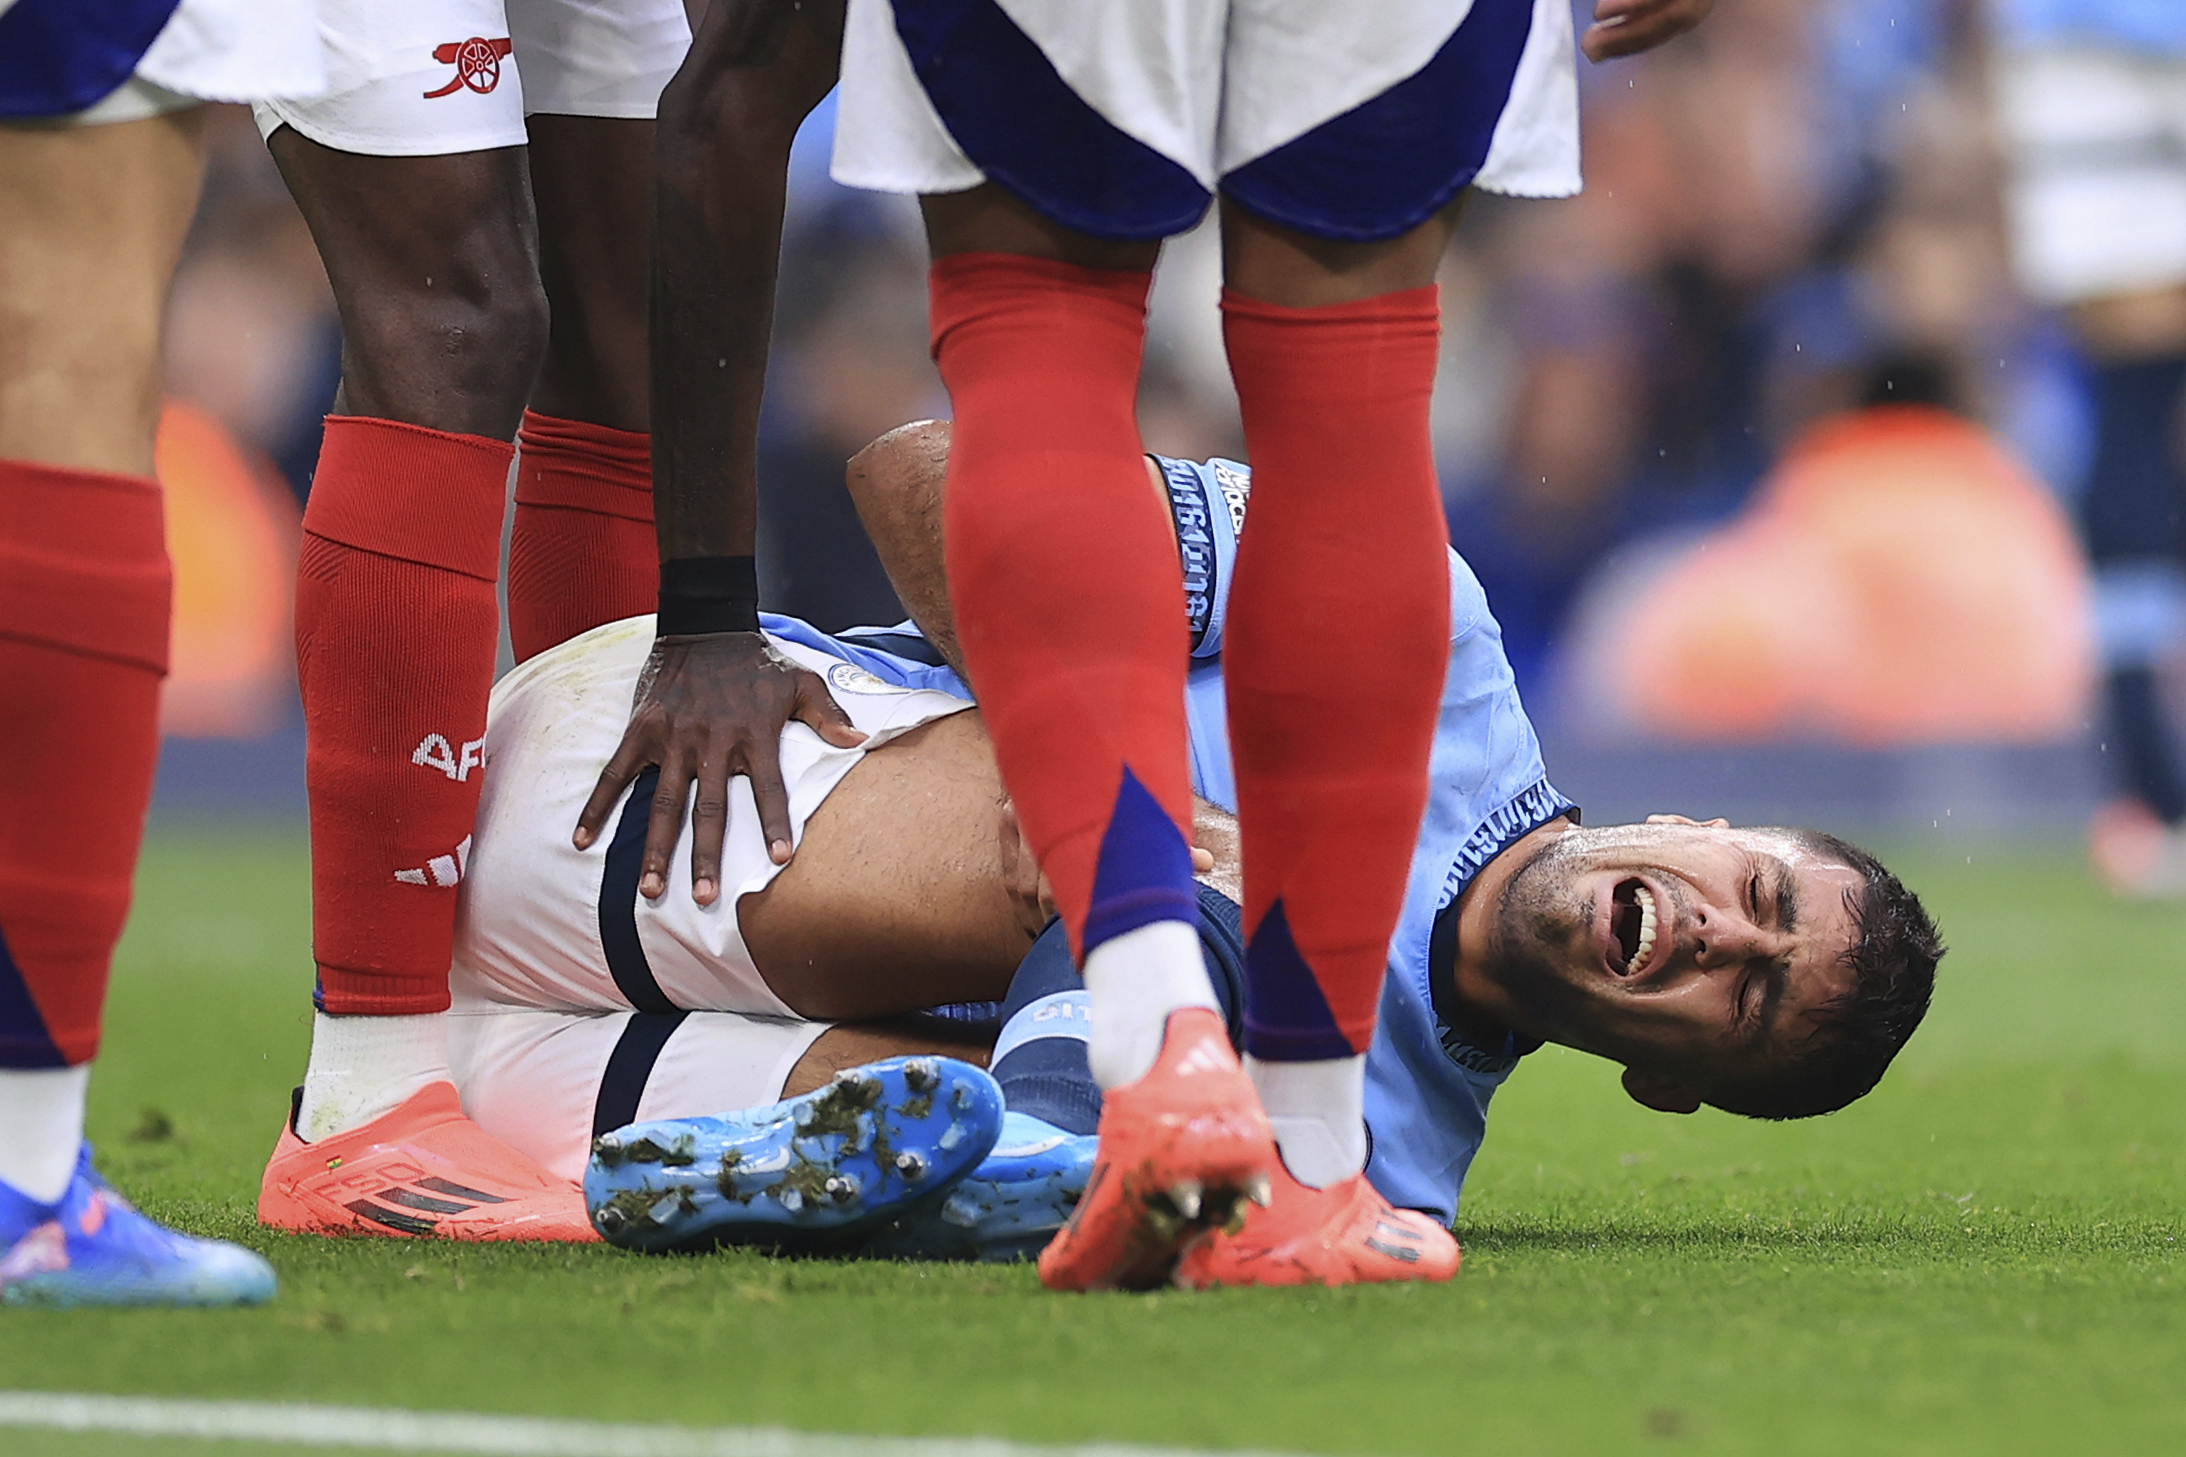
1427	1089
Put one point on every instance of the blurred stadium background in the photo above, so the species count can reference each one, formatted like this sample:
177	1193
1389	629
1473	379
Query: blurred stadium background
1767	466
1771	472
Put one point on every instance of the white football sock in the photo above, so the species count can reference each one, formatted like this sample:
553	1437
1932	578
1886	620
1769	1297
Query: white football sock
41	1128
1137	979
1318	1110
363	1067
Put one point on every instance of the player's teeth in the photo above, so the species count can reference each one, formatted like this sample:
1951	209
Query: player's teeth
1259	1189
1646	945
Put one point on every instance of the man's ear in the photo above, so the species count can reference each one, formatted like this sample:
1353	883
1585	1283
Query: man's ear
1716	824
1664	1095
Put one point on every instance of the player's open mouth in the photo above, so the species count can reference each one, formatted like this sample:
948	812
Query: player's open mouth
1632	925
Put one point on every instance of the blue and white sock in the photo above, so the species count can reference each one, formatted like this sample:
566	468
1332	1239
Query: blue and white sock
1041	1061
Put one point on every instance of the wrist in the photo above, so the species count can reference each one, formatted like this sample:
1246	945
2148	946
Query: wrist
708	594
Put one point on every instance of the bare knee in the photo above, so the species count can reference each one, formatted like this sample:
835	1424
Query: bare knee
435	266
456	351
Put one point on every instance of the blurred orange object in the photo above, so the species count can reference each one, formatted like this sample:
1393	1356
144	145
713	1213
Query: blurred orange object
232	531
1899	579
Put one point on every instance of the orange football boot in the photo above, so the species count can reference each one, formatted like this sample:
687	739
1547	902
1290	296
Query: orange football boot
1179	1150
423	1170
1345	1234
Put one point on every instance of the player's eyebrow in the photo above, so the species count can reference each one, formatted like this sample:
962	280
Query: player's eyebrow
1778	979
1787	898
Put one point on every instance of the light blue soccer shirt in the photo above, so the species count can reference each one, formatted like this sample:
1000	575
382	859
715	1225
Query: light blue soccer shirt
1427	1089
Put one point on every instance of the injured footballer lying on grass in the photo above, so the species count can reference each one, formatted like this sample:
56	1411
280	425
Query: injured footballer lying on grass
1768	972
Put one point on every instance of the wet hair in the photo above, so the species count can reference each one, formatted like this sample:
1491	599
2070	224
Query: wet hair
1853	1037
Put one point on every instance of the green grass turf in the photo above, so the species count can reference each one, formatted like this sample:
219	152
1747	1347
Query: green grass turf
1983	1257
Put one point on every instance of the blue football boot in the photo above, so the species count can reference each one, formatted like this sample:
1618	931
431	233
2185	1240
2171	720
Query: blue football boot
817	1174
1006	1209
93	1248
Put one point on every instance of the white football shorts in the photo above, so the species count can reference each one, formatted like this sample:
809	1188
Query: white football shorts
544	926
547	1083
1344	121
2096	142
421	78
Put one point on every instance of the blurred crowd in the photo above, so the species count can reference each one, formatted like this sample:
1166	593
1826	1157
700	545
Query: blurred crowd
1796	212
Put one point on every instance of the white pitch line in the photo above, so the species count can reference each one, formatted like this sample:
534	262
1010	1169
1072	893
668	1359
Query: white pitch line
496	1436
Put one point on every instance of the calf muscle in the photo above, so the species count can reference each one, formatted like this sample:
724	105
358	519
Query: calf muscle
435	267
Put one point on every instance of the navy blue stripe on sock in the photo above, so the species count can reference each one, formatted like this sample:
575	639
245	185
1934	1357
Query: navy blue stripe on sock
619	902
1144	871
629	1067
1287	1019
24	1040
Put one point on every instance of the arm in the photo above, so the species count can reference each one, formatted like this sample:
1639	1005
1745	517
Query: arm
1627	27
712	702
897	484
755	71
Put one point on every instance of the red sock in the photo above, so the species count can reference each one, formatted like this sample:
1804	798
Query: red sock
581	549
85	596
1334	651
1068	599
395	630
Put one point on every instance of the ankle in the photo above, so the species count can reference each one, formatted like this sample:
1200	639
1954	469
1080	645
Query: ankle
1136	980
363	1068
41	1128
1317	1110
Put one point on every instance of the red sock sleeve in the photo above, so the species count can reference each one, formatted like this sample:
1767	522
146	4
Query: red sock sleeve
1069	602
581	548
395	633
1334	650
85	599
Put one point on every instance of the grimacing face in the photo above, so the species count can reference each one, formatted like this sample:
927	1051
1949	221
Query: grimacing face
1694	954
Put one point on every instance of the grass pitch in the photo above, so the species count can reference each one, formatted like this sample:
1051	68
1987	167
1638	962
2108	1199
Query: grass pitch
1983	1257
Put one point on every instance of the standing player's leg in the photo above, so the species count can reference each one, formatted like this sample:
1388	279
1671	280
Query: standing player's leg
1070	616
1333	346
433	263
92	219
415	179
2096	202
2134	517
1331	236
581	548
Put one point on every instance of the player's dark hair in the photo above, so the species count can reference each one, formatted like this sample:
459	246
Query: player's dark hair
1853	1037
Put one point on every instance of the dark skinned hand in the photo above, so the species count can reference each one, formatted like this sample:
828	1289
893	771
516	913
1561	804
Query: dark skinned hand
709	708
1627	27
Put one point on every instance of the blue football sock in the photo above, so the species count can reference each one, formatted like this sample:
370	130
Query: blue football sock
1040	1058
